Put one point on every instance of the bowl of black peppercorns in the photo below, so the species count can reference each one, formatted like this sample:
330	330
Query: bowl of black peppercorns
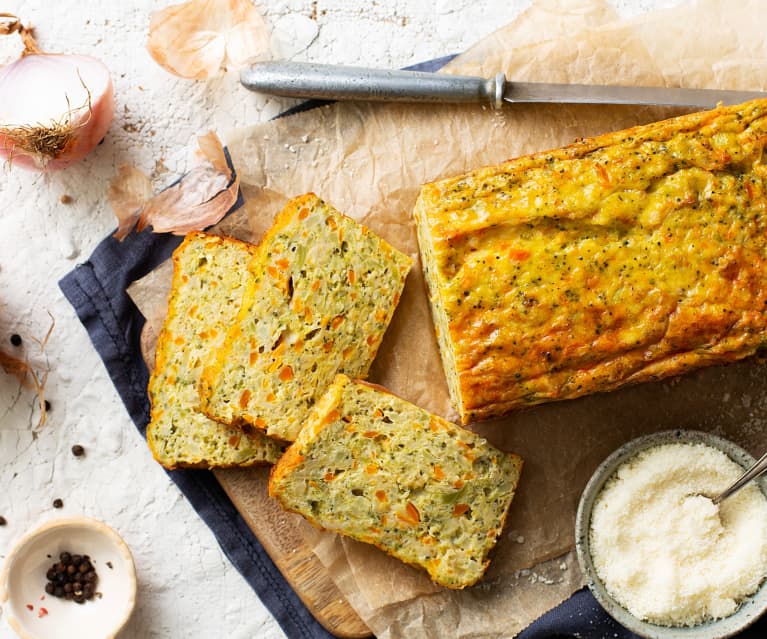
69	577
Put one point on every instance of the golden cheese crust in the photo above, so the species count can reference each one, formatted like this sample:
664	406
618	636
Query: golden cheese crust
623	258
376	468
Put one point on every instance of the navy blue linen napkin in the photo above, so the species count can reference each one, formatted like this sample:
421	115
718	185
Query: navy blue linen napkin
97	291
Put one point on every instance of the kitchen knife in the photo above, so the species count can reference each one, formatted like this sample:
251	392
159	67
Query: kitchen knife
330	82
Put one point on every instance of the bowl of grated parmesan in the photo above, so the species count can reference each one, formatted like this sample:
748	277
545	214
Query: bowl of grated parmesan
658	555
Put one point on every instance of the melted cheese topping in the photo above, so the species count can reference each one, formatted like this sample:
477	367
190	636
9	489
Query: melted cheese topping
664	550
624	258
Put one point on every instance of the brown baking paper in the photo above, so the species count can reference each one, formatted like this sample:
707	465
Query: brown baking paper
368	161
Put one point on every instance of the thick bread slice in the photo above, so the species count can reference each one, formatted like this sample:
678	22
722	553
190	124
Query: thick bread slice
620	259
372	466
209	273
323	292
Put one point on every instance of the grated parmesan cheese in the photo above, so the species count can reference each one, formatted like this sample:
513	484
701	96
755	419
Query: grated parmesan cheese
667	553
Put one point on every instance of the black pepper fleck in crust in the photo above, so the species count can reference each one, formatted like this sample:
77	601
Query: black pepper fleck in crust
58	503
3	521
77	450
16	339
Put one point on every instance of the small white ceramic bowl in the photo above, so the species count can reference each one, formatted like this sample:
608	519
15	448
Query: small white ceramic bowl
749	611
22	582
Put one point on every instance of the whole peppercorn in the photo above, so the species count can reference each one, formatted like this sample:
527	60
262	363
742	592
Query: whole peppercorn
57	503
3	522
16	339
72	578
77	450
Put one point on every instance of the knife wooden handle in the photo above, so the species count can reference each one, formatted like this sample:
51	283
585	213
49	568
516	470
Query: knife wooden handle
331	82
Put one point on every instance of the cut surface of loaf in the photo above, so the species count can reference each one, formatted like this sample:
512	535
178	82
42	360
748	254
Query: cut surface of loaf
323	292
209	273
372	466
619	259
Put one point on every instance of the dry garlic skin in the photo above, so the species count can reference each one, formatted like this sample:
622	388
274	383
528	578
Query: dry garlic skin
664	551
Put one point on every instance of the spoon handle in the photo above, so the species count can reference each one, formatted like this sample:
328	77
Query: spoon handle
758	469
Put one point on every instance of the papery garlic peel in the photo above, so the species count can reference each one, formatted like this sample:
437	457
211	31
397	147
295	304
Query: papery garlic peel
200	39
54	108
199	199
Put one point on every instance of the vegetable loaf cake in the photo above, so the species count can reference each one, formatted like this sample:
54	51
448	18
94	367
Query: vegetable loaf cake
619	259
209	273
323	292
372	466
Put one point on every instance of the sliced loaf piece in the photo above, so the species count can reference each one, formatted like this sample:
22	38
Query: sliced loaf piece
323	292
372	466
209	273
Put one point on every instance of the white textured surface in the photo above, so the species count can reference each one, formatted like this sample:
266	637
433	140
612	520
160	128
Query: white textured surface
187	588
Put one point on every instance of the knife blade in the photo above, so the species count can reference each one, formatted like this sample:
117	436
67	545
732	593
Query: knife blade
332	82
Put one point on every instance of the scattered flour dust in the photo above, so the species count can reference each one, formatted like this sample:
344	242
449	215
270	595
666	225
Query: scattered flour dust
668	554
